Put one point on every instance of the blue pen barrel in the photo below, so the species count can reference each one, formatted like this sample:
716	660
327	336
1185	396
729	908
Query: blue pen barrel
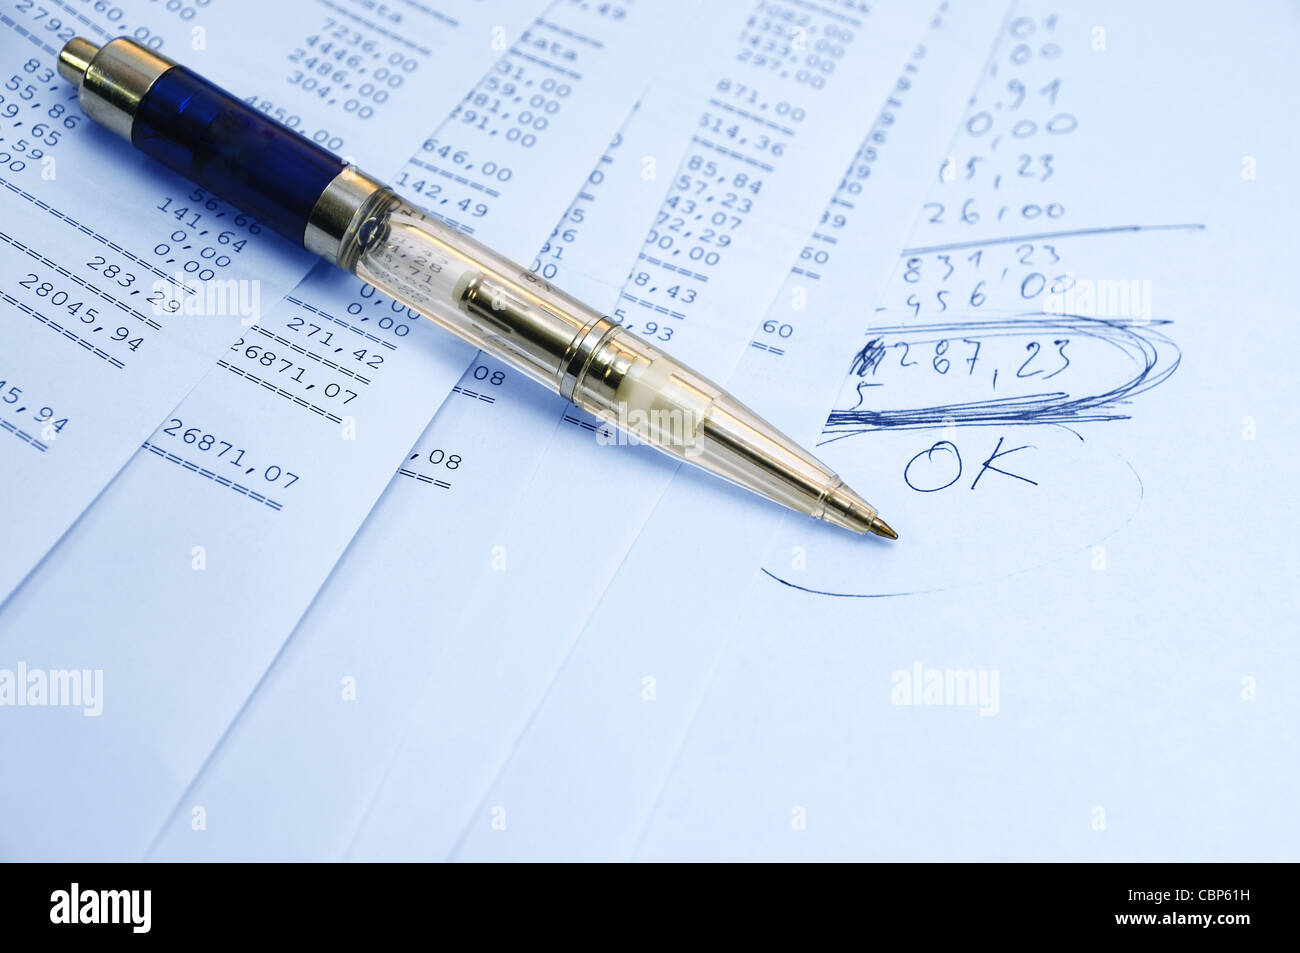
218	142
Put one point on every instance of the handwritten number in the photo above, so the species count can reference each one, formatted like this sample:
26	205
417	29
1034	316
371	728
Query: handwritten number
1033	347
1060	349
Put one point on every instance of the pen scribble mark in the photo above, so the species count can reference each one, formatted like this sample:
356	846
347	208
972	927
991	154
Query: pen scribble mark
1138	357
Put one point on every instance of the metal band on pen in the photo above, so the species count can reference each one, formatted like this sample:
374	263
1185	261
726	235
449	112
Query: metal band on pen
334	226
112	79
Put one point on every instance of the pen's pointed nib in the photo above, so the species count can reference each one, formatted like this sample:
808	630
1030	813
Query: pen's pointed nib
845	508
881	528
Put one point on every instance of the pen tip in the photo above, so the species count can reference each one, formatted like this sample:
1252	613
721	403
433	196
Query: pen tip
881	528
845	508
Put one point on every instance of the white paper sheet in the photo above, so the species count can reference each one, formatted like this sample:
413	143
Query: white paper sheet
122	282
1078	649
316	406
333	707
1069	653
811	324
596	496
363	691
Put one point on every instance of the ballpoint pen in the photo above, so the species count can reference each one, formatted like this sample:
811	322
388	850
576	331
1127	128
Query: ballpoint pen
337	211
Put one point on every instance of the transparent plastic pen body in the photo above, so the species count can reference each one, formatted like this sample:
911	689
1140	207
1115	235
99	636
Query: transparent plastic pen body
506	310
